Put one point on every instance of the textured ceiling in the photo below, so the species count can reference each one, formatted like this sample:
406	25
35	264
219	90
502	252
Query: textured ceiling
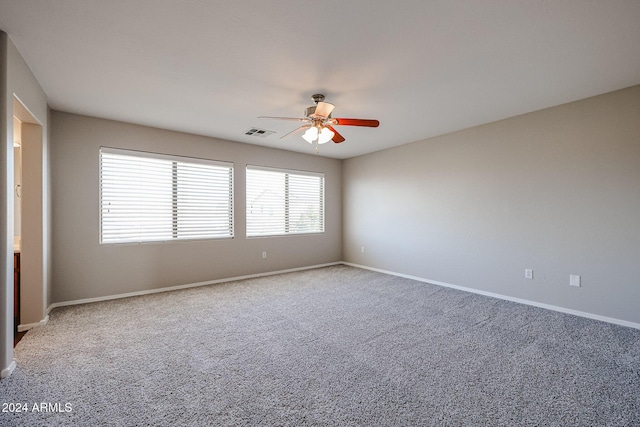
423	68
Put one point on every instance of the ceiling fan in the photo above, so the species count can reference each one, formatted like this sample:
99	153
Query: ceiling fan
319	125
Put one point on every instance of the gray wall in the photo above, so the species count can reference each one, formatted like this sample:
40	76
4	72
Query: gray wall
556	190
17	82
82	268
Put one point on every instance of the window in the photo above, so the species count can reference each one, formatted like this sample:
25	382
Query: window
281	202
148	197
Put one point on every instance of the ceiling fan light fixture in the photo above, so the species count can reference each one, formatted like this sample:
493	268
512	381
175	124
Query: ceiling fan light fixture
311	135
325	136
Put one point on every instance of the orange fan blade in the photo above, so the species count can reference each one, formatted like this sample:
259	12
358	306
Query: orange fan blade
295	131
337	138
356	122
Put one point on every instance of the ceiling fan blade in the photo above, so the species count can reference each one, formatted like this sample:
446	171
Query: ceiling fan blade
295	131
337	138
356	122
324	109
297	119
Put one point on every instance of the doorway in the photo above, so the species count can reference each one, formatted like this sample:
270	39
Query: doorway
17	215
29	213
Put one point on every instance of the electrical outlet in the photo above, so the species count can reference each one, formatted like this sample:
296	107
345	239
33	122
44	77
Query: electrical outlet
528	273
264	254
361	249
574	280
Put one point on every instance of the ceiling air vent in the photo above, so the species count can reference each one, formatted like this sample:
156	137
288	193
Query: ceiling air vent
259	132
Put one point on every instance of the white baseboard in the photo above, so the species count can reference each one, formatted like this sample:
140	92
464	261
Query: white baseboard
8	371
505	297
187	286
392	273
27	326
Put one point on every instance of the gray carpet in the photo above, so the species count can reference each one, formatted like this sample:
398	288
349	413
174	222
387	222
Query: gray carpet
335	346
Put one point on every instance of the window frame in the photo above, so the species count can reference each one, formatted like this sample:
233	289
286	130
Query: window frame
286	171
176	159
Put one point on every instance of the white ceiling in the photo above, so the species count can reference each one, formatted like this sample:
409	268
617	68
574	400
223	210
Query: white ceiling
423	68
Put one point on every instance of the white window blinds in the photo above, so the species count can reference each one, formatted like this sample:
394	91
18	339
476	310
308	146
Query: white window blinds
152	197
281	202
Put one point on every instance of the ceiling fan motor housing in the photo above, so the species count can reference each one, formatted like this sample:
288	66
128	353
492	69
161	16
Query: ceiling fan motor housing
310	111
